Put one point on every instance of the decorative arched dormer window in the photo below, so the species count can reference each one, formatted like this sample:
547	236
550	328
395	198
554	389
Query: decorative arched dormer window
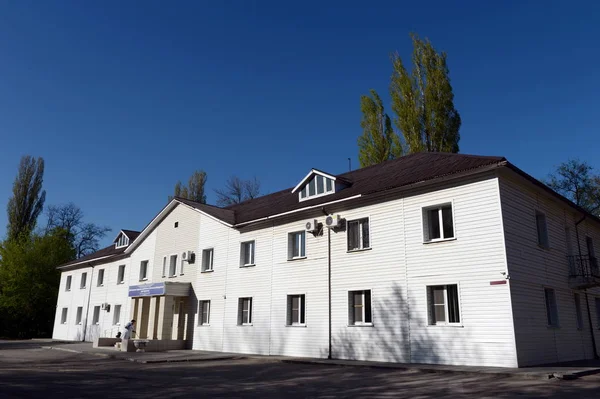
317	184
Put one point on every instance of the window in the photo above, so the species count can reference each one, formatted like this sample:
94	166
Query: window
173	266
181	264
68	285
117	315
63	316
121	275
359	308
164	273
296	310
297	245
443	304
597	303
78	315
96	318
83	281
144	270
319	185
542	229
358	234
176	225
207	260
578	313
203	313
551	309
245	311
100	282
123	241
438	223
247	254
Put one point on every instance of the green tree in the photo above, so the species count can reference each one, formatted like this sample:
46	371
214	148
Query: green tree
28	198
577	181
194	190
378	141
29	283
423	101
237	190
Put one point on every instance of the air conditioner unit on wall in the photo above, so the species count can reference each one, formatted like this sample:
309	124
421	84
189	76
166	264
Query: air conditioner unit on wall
188	256
184	256
312	225
105	306
332	221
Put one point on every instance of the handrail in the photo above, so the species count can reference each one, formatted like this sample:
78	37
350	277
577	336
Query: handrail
583	266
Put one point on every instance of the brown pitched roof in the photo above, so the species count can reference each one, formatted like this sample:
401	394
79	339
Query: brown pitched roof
396	173
102	253
223	214
131	234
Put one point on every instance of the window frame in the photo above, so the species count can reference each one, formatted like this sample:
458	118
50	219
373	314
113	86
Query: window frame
306	189
172	265
302	245
78	315
64	315
542	235
122	241
201	306
164	268
241	311
144	266
118	319
360	222
425	225
351	305
431	319
121	276
243	253
68	283
96	315
100	282
83	281
550	323
289	322
205	251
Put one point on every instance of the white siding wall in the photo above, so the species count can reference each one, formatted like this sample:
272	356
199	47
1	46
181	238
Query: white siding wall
533	268
71	300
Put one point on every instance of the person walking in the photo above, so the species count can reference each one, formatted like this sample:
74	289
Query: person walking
129	329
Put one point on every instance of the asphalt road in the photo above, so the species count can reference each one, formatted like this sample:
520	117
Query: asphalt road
28	371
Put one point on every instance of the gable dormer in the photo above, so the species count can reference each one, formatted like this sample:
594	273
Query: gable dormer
318	184
122	240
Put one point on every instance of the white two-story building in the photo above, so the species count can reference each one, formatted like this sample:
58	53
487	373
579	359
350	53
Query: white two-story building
430	258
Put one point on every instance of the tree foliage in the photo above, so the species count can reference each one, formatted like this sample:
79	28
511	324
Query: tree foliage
28	198
84	237
237	190
194	190
29	283
423	100
576	181
378	142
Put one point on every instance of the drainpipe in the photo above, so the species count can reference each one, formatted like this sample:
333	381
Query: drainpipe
587	300
87	311
328	282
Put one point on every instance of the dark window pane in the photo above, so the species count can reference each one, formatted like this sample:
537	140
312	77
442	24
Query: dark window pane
311	187
365	233
453	312
438	295
447	220
440	313
352	235
320	185
368	307
302	308
329	184
434	224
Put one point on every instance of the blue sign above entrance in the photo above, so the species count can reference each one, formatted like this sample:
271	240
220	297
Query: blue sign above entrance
151	289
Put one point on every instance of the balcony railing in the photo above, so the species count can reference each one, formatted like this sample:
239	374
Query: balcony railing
584	269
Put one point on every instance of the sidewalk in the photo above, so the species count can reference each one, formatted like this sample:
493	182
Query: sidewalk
571	370
144	357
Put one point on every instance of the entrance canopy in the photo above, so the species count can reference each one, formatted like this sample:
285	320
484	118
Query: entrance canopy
159	289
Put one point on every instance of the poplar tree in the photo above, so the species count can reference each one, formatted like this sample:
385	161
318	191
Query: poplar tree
28	198
194	190
378	141
423	100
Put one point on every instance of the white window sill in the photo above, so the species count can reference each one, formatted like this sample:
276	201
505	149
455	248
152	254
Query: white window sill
439	240
361	325
121	282
358	250
245	325
82	288
79	323
173	276
69	290
207	271
118	324
204	325
181	274
144	279
451	325
296	258
296	325
100	285
249	265
64	324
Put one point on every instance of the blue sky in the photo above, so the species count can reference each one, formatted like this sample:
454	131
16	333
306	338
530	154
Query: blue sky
122	99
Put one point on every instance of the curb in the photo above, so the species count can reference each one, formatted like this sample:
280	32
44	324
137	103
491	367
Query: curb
105	355
425	369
